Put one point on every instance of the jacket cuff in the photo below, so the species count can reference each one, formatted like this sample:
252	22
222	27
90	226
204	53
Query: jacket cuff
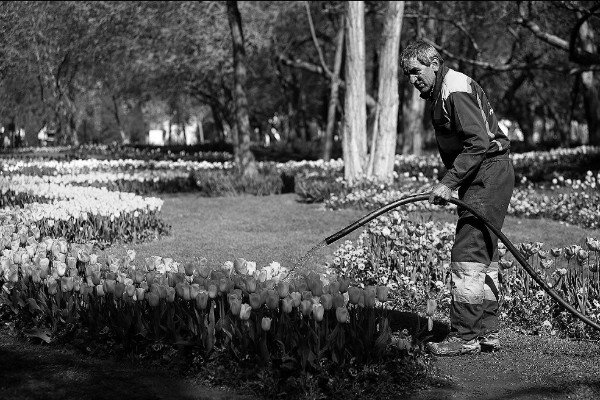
450	180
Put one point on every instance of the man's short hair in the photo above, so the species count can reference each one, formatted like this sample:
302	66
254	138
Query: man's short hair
421	51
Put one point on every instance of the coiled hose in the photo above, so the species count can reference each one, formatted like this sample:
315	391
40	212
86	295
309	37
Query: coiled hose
511	247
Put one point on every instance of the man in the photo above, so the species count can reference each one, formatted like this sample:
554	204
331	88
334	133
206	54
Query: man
476	155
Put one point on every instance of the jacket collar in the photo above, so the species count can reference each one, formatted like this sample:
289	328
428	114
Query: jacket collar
437	88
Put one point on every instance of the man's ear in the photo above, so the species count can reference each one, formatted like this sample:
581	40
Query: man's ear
435	65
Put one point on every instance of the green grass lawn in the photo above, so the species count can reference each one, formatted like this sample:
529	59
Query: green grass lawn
278	228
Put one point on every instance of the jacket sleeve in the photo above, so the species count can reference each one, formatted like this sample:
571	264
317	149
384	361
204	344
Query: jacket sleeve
472	130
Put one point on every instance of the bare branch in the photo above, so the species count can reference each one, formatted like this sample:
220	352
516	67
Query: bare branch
574	55
457	24
316	41
537	31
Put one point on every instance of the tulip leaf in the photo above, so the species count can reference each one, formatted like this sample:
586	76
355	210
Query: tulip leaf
39	333
33	306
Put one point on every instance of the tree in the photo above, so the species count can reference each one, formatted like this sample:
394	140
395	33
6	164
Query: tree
355	117
383	149
243	156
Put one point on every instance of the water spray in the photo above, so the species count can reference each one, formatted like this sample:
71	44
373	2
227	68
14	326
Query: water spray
510	247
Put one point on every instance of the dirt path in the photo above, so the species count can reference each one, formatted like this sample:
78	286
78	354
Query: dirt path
528	367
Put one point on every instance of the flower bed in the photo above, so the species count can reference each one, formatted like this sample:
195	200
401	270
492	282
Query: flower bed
249	312
413	259
81	213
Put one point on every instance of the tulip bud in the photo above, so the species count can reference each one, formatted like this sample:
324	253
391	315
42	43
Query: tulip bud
212	290
240	266
189	269
245	312
307	295
296	298
354	294
272	300
100	290
153	299
306	307
334	287
250	284
224	285
194	290
179	289
344	284
338	300
382	293
327	301
235	306
265	324
119	290
318	311
287	305
130	290
202	300
341	314
255	301
170	294
283	289
370	293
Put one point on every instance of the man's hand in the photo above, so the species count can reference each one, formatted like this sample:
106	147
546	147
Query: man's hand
440	194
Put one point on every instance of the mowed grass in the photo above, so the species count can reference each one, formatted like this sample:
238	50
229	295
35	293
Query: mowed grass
279	228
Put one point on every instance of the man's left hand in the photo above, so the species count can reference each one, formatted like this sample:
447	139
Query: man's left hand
440	194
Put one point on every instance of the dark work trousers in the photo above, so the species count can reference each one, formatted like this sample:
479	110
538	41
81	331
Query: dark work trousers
474	259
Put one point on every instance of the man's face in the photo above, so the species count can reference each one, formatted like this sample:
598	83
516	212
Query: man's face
421	76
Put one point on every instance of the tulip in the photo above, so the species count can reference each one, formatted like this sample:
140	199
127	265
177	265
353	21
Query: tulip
194	290
130	290
334	287
170	294
224	285
161	290
287	305
199	280
212	290
245	312
255	301
306	307
71	262
265	324
153	299
240	266
341	314
66	283
235	306
264	293
301	286
100	290
61	268
179	289
555	252
369	295
272	300
250	284
327	301
344	284
202	300
283	288
109	285
296	298
382	293
187	292
338	300
307	295
354	294
119	290
318	311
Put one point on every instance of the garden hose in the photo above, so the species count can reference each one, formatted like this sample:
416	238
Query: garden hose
511	247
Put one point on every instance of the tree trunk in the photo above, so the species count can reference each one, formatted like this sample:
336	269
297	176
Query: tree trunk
125	138
243	156
333	96
591	101
381	164
355	114
413	111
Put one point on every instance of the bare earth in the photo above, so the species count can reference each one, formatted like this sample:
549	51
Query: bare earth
279	228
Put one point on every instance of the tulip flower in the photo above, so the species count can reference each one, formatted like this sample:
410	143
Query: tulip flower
245	312
255	301
338	300
342	315
354	294
194	290
306	307
212	290
283	289
235	306
170	294
287	305
240	266
344	284
153	299
265	324
250	284
130	290
382	293
327	301
334	287
318	311
202	300
296	298
100	290
272	300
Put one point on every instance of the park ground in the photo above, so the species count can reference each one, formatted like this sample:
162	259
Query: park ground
278	228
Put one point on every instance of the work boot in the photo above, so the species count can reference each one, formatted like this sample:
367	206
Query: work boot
454	346
490	342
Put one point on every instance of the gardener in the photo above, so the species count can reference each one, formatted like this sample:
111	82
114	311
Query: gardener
476	155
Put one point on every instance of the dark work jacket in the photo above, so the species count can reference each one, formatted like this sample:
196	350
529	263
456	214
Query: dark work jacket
466	128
